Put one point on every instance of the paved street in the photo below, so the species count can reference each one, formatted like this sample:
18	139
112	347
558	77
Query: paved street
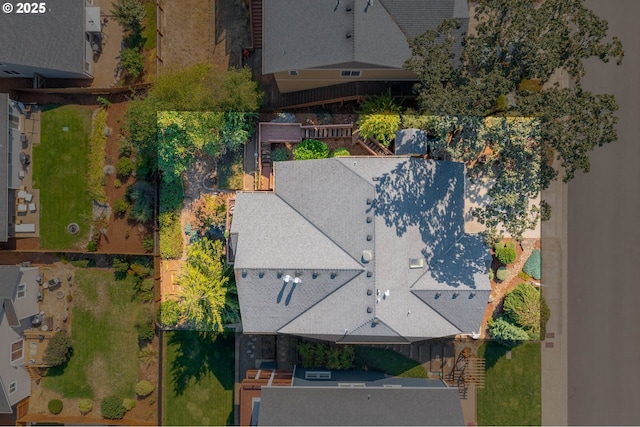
603	287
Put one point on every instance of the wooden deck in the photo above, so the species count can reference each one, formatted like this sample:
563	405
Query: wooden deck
255	20
251	387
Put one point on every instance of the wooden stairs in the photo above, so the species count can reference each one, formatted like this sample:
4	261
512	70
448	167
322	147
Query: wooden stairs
34	373
373	147
255	18
327	131
469	370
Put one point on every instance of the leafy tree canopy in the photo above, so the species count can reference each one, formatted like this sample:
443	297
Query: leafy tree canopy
129	14
516	47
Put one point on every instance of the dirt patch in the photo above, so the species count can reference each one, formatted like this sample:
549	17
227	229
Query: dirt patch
196	31
98	378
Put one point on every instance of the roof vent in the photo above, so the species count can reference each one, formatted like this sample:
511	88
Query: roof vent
348	35
374	321
367	256
369	292
416	262
369	201
244	273
369	309
261	274
333	275
455	294
369	273
297	280
314	275
437	295
369	219
472	294
279	274
369	237
286	278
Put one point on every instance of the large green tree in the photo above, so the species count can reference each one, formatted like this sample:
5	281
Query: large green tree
203	286
505	69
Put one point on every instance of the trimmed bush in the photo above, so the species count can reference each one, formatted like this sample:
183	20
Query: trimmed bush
120	268
124	167
169	313
81	263
128	404
524	276
85	406
502	273
148	244
132	62
533	265
92	246
144	388
58	350
145	331
120	207
491	274
111	408
280	155
311	149
340	152
506	255
506	333
382	127
55	406
322	356
117	183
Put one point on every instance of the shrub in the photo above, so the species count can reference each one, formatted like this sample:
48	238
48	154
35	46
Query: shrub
128	404
340	152
69	297
533	265
382	127
524	276
92	246
506	333
132	62
125	147
491	274
502	273
148	244
169	313
280	155
322	356
82	263
311	149
141	197
209	210
145	331
144	388
55	406
129	13
120	207
85	406
103	102
502	103
506	255
111	408
117	183
531	85
170	236
58	350
124	167
120	267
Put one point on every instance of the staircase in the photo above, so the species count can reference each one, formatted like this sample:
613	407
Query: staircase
374	147
255	16
327	131
469	370
34	374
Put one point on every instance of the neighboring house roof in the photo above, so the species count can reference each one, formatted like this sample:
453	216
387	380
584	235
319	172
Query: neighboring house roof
347	34
360	406
53	40
4	167
348	228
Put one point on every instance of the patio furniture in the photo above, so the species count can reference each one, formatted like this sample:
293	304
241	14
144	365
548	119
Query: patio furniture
22	193
32	207
22	208
28	197
25	228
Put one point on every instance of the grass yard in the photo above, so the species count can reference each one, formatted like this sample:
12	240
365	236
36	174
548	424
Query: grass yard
198	378
231	170
60	171
388	361
512	393
105	341
149	30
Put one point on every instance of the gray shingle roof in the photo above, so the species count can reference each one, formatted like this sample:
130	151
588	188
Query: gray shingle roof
4	167
9	275
301	34
376	214
360	406
53	40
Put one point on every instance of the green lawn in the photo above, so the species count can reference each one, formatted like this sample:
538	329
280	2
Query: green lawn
512	393
105	342
389	362
60	171
198	378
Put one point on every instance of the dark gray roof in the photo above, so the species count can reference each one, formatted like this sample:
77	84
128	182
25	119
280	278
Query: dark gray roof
52	40
301	34
9	275
321	224
368	378
411	141
360	406
4	166
5	406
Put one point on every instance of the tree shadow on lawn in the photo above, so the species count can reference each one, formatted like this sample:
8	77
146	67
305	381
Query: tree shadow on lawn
198	354
493	352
